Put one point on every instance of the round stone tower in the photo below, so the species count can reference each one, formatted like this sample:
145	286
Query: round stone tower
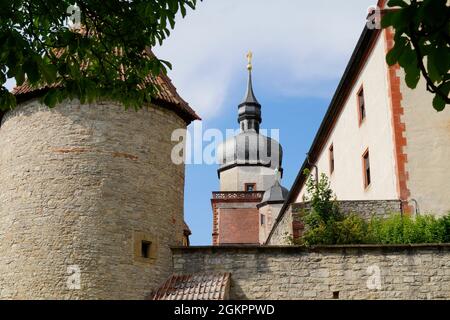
90	200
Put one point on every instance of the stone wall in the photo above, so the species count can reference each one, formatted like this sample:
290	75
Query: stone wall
282	231
365	208
81	187
344	272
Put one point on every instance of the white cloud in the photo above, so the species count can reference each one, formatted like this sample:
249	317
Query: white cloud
298	44
10	83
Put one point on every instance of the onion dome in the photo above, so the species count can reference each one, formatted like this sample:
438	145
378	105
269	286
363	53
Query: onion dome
249	147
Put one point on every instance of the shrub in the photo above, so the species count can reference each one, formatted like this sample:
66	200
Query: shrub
398	229
352	229
325	224
446	226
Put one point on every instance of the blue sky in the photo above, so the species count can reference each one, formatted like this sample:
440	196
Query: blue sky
300	50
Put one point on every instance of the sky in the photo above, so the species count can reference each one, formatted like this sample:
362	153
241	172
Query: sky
300	50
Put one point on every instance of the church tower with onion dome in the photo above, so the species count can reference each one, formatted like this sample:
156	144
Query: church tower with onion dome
250	165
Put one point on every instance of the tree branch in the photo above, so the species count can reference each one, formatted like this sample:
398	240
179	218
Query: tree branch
431	87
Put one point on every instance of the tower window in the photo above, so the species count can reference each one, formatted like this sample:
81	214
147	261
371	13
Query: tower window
145	249
361	105
250	187
366	168
263	219
331	159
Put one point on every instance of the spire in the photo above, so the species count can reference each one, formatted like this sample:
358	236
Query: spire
249	109
250	95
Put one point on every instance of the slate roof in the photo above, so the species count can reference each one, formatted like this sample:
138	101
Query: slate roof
275	194
201	286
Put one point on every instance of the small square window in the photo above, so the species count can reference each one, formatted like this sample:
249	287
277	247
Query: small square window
145	249
250	187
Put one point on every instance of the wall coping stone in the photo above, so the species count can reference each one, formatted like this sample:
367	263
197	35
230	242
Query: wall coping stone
306	249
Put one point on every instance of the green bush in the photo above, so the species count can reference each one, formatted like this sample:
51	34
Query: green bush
352	229
446	226
398	229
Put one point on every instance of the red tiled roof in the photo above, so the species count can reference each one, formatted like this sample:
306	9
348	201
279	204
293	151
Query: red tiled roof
167	95
202	286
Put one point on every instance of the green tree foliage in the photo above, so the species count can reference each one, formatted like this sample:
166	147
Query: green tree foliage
422	44
321	221
107	59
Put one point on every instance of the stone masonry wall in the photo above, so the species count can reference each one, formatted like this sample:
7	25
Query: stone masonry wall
283	230
80	187
346	272
364	208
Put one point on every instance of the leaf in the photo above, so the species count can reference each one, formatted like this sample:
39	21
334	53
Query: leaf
433	71
183	10
30	67
49	72
397	3
438	103
51	98
434	12
167	63
20	77
412	76
408	57
394	54
442	60
445	88
386	20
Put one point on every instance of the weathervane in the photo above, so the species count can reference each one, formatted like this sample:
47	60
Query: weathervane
249	59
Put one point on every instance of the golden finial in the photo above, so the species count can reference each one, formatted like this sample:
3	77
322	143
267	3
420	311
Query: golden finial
249	59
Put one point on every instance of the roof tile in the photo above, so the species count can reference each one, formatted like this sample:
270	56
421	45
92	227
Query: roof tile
167	93
200	286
